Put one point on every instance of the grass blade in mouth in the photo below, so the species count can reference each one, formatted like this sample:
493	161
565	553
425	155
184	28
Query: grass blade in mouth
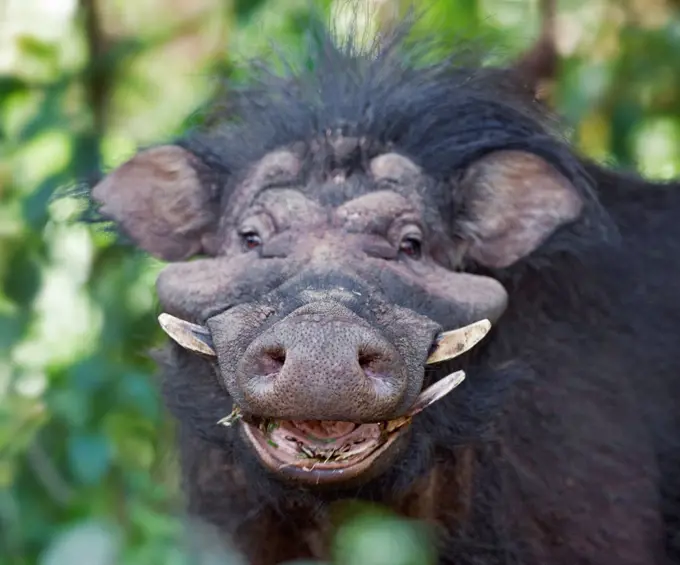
231	419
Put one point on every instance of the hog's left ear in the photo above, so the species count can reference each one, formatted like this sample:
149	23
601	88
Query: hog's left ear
161	198
514	201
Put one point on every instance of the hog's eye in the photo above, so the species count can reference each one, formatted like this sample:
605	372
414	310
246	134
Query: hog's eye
411	247
250	239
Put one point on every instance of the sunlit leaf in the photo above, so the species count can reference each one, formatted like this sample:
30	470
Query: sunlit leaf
35	47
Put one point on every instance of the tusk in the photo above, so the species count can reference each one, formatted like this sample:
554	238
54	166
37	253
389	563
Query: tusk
456	342
190	336
437	391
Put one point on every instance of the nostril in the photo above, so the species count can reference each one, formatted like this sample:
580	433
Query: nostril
372	362
271	360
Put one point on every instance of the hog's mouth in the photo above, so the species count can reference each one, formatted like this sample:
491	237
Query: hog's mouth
321	451
325	451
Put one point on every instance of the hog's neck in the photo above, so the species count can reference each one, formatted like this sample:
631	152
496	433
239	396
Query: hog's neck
272	532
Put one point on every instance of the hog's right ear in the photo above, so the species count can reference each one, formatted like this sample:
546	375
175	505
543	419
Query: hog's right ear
515	201
162	198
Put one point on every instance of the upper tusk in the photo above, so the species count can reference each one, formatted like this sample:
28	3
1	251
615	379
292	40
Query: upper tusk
456	342
190	336
450	344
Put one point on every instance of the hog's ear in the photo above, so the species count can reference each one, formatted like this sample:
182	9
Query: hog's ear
162	199
514	200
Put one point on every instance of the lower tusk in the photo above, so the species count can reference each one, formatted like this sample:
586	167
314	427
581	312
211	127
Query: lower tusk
437	391
190	336
456	342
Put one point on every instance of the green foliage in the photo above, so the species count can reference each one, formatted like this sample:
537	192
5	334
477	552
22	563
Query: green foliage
87	465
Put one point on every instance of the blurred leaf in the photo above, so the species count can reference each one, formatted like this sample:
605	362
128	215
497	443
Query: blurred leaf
624	118
89	375
155	524
131	439
35	206
89	457
10	85
96	543
136	390
48	116
245	8
34	47
72	405
19	425
12	328
23	278
381	540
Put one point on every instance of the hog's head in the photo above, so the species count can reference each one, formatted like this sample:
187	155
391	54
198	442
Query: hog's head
317	274
324	289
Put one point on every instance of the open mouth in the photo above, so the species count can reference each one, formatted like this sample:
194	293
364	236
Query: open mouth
319	450
324	451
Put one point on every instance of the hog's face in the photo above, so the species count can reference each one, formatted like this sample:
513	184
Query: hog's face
324	284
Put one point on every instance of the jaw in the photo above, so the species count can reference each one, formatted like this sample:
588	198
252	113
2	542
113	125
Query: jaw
329	452
339	453
321	453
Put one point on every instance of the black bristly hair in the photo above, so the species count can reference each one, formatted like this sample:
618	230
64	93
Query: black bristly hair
442	112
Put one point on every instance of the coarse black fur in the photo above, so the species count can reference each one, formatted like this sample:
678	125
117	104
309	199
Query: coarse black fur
571	407
443	114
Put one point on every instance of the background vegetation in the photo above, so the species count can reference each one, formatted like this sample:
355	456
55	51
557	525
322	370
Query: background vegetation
86	460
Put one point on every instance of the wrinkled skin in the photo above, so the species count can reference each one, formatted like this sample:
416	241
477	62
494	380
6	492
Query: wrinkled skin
323	266
341	265
330	341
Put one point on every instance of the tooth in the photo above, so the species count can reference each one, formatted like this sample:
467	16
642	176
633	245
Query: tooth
456	342
190	336
438	390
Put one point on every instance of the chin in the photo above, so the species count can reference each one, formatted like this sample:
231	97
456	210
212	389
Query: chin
319	453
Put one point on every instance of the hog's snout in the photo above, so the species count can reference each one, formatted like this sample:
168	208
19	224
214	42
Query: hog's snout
322	362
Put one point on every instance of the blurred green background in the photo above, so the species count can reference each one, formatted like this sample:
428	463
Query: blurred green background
86	456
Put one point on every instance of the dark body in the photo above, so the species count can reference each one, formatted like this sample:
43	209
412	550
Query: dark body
580	462
563	444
